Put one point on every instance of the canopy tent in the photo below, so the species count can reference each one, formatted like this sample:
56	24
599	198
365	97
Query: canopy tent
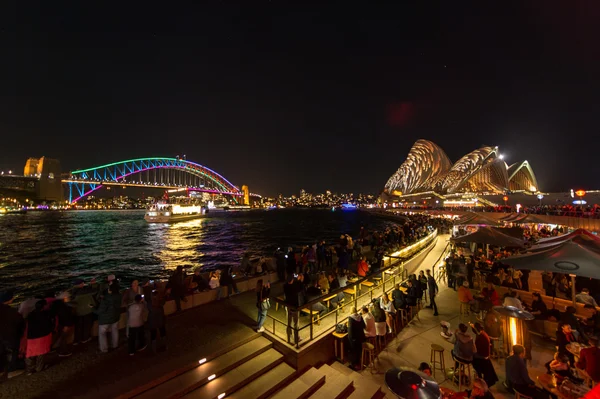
476	218
578	254
490	236
514	231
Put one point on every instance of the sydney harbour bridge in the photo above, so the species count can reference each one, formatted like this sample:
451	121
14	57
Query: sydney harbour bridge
43	179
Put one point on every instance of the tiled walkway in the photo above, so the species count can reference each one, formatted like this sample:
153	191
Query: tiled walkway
413	344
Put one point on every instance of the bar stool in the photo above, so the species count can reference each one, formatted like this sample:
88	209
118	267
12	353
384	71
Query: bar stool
464	369
402	317
368	352
381	331
437	350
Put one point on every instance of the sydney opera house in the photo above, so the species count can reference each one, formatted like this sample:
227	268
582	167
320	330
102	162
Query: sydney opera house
428	169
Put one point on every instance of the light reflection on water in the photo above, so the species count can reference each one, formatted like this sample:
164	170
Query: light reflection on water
47	250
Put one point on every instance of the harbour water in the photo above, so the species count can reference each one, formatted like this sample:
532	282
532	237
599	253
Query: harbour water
43	251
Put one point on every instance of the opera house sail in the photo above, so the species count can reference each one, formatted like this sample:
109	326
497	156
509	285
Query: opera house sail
428	169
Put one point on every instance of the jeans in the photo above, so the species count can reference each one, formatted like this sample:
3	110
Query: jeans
136	334
293	324
83	327
262	317
34	363
103	329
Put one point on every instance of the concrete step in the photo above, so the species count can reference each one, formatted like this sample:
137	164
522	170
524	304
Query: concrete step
337	385
363	387
195	378
303	386
243	374
266	384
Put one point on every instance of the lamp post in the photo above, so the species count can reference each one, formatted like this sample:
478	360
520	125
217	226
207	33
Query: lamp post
580	194
540	197
512	325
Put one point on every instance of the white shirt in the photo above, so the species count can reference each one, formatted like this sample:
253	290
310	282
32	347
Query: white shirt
370	323
389	307
582	297
213	283
510	301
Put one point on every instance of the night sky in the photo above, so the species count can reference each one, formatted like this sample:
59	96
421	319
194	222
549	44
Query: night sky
282	97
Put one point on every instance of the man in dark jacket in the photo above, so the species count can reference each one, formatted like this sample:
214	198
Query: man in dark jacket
399	298
433	290
109	313
293	290
11	330
356	336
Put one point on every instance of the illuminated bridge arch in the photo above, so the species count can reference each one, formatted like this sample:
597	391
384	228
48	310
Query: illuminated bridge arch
166	173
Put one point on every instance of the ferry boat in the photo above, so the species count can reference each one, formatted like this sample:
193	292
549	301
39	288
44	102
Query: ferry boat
164	212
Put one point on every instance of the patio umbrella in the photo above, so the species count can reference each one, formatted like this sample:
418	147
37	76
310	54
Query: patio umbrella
476	218
490	236
578	255
408	383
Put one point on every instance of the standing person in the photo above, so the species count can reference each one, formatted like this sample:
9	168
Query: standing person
40	325
156	320
109	313
262	303
228	281
589	360
280	262
65	318
432	287
292	290
481	359
290	262
356	336
135	322
84	304
11	330
176	287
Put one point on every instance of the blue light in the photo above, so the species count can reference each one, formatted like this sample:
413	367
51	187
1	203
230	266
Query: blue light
349	207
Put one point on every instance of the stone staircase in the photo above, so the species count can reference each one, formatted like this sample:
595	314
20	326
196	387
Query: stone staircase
254	369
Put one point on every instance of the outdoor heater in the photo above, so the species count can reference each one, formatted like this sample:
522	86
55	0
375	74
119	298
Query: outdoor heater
513	325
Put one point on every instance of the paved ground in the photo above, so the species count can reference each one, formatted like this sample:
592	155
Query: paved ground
192	334
413	344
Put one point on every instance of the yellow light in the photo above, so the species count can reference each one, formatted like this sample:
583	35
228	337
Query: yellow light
513	330
533	189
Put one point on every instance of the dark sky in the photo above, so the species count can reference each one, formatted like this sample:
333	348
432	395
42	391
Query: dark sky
282	96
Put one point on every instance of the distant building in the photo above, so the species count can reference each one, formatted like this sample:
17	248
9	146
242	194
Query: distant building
48	173
427	169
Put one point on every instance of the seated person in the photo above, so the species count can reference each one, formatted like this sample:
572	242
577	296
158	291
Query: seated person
313	292
412	294
570	318
369	320
425	368
464	346
589	360
464	293
517	376
334	285
565	336
362	267
560	367
489	296
398	298
481	390
512	300
585	298
538	307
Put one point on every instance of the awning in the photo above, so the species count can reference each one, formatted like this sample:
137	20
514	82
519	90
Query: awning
491	236
476	218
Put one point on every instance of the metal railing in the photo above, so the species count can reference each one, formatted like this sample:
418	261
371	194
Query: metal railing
384	280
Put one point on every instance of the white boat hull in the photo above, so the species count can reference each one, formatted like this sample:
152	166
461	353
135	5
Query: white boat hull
172	218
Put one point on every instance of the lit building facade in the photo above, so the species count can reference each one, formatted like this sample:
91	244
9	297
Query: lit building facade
428	169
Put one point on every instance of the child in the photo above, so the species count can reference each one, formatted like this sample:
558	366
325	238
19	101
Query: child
135	322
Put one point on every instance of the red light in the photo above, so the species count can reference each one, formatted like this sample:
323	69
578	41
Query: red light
580	193
413	386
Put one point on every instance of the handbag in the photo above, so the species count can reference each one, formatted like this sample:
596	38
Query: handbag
265	304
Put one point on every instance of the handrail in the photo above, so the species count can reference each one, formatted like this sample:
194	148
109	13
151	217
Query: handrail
356	286
423	242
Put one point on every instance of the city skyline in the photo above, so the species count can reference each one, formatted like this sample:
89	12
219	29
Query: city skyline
277	96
